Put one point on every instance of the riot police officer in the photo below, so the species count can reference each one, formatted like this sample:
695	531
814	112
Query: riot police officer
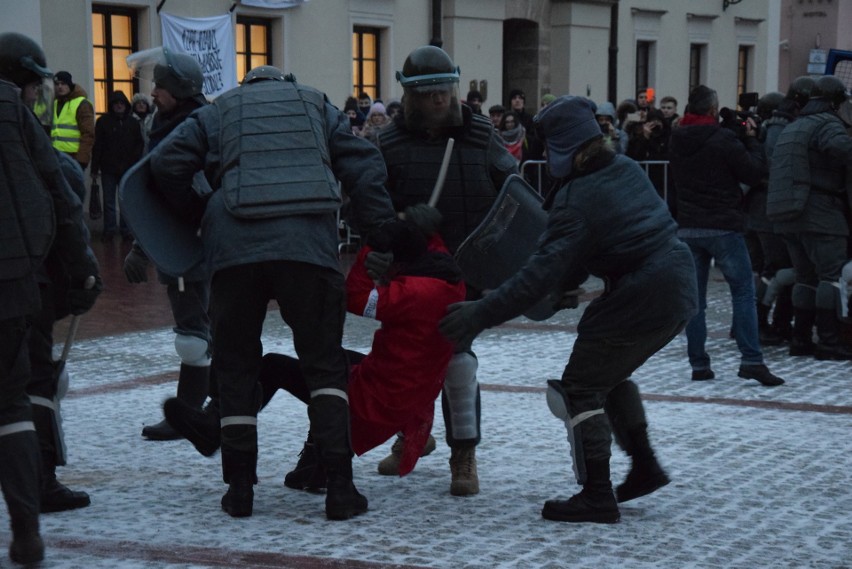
274	150
177	93
38	217
413	147
808	203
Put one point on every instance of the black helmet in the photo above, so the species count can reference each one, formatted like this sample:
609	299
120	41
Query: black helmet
262	72
831	89
768	103
181	76
800	90
22	59
427	65
429	72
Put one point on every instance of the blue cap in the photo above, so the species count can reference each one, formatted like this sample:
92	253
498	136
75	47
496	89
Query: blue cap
566	124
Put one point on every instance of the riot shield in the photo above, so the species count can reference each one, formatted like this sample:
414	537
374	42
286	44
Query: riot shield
504	241
171	243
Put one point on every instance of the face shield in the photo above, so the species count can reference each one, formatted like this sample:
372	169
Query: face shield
431	101
142	63
38	96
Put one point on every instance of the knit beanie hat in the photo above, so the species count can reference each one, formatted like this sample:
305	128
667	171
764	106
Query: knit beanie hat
566	125
65	77
547	99
377	108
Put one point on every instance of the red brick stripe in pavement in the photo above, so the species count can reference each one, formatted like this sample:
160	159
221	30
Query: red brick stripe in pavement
209	556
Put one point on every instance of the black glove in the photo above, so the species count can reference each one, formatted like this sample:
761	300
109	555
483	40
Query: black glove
378	264
81	297
462	324
425	217
136	266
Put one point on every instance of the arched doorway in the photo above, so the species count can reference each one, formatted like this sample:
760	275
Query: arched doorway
521	60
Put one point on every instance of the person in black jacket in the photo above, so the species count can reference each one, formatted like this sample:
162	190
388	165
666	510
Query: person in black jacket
118	146
37	217
709	163
606	220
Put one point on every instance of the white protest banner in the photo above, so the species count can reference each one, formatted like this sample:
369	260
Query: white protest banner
211	42
273	4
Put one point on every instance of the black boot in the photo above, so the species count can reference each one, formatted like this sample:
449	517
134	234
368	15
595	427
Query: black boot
782	315
55	496
239	471
342	500
198	426
767	334
630	427
27	546
193	385
309	474
802	343
828	330
595	503
645	476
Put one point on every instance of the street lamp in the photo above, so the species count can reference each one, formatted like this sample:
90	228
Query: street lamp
726	3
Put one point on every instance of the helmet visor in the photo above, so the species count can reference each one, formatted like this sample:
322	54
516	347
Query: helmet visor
143	63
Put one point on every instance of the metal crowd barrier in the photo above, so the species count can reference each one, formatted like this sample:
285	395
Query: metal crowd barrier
646	165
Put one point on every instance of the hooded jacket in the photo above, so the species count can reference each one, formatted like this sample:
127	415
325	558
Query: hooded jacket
118	139
709	163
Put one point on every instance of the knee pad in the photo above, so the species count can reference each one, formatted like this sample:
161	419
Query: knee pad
460	398
192	350
782	279
804	296
559	405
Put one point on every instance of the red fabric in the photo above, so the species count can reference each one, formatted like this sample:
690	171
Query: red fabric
394	388
516	149
697	120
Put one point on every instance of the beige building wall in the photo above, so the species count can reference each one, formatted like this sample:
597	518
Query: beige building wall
570	53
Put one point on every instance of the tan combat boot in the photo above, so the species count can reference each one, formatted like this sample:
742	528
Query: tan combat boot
463	468
389	466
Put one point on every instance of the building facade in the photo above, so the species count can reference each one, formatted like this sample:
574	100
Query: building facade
603	49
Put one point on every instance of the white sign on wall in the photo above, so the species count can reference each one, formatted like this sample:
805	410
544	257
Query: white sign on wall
211	42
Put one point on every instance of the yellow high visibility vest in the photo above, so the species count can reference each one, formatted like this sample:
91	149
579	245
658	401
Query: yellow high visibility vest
66	133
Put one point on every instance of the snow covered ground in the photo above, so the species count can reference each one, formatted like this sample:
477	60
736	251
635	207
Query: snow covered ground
761	476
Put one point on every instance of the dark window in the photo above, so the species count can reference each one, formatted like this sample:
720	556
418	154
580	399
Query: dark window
365	62
114	37
254	44
742	69
643	61
696	53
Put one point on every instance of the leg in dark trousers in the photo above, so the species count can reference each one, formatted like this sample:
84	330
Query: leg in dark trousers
20	467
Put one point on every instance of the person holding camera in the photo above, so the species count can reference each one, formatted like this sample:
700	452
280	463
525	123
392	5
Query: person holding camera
709	163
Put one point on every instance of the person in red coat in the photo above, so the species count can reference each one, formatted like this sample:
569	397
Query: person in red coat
393	388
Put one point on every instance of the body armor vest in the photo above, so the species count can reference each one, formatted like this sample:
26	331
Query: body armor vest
275	157
413	164
26	207
827	173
